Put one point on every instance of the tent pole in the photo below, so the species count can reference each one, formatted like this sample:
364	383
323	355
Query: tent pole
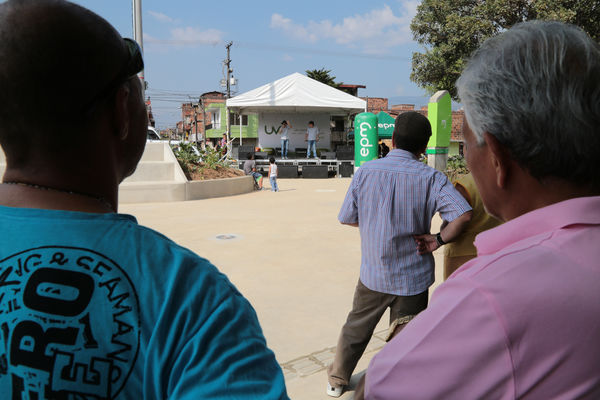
240	114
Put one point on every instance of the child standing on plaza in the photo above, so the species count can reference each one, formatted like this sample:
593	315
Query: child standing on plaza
273	174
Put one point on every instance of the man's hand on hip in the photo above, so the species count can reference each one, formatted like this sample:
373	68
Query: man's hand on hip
426	243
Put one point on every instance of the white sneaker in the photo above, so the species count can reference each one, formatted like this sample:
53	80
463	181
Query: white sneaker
334	391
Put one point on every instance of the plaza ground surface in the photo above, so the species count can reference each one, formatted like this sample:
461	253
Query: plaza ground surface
288	254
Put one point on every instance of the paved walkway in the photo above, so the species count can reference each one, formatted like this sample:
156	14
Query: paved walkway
290	257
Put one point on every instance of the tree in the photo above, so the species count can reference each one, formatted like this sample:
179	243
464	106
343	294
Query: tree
452	29
323	75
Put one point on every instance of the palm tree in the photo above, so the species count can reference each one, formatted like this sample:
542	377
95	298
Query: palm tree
322	75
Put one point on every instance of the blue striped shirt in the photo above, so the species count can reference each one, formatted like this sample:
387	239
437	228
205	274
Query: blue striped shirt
392	199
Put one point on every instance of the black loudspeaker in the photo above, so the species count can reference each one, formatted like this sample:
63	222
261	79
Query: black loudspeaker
300	152
287	171
243	152
346	170
315	171
345	155
344	147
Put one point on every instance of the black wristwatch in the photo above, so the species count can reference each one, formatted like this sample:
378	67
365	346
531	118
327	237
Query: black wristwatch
439	239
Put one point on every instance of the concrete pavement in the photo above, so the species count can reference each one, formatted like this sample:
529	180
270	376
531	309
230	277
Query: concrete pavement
287	253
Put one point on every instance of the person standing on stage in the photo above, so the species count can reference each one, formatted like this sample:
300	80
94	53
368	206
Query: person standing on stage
312	137
285	139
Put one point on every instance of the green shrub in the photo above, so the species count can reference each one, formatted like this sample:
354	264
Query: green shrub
187	158
456	167
213	159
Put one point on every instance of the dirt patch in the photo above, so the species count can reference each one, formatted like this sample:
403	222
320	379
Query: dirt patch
203	174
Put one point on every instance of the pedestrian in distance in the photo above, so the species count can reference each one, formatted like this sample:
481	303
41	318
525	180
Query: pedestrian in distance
223	144
273	174
285	139
94	305
311	137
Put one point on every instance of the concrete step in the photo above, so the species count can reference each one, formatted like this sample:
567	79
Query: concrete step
151	192
153	171
154	151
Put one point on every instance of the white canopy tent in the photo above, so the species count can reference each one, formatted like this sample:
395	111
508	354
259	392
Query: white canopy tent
296	98
296	93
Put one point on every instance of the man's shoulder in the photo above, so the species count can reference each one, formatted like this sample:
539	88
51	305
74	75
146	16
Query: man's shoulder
165	247
400	166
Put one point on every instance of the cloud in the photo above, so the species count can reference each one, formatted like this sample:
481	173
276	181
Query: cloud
297	31
161	17
287	57
374	31
191	34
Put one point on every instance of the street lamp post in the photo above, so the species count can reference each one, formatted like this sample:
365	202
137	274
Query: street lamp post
138	36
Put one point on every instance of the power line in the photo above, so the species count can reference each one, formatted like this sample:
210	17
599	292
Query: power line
282	48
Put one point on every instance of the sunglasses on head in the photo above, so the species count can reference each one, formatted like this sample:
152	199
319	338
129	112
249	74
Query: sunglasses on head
133	65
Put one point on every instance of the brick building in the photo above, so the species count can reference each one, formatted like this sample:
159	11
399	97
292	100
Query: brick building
207	119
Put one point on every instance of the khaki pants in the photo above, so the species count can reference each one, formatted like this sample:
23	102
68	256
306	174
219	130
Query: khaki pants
368	307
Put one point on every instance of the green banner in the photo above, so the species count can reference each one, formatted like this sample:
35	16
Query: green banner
385	125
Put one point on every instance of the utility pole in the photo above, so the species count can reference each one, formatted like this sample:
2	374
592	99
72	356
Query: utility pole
138	36
229	71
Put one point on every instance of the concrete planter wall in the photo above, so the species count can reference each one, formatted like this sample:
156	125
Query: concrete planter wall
197	190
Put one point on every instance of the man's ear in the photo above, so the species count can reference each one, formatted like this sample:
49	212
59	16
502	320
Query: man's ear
500	159
121	112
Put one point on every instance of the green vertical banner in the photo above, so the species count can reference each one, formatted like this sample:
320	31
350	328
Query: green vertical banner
440	117
365	138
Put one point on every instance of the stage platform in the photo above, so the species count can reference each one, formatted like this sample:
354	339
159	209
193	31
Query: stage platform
333	165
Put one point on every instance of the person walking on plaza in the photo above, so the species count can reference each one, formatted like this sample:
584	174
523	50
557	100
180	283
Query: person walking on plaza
273	174
522	320
285	138
311	137
250	169
392	200
93	304
462	249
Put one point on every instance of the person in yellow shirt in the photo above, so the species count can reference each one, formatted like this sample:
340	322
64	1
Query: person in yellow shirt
462	249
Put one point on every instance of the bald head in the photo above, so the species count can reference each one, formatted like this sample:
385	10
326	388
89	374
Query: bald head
56	57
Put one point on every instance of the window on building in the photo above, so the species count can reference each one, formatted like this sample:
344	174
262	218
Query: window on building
215	117
234	119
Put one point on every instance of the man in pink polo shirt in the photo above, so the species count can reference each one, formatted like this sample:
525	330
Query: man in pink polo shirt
522	320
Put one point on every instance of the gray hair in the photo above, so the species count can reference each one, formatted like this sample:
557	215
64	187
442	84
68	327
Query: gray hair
536	88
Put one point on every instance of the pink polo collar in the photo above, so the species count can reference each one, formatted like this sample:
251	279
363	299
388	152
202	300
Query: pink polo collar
580	210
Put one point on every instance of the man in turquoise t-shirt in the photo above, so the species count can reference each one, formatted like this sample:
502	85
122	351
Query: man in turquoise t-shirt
92	305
